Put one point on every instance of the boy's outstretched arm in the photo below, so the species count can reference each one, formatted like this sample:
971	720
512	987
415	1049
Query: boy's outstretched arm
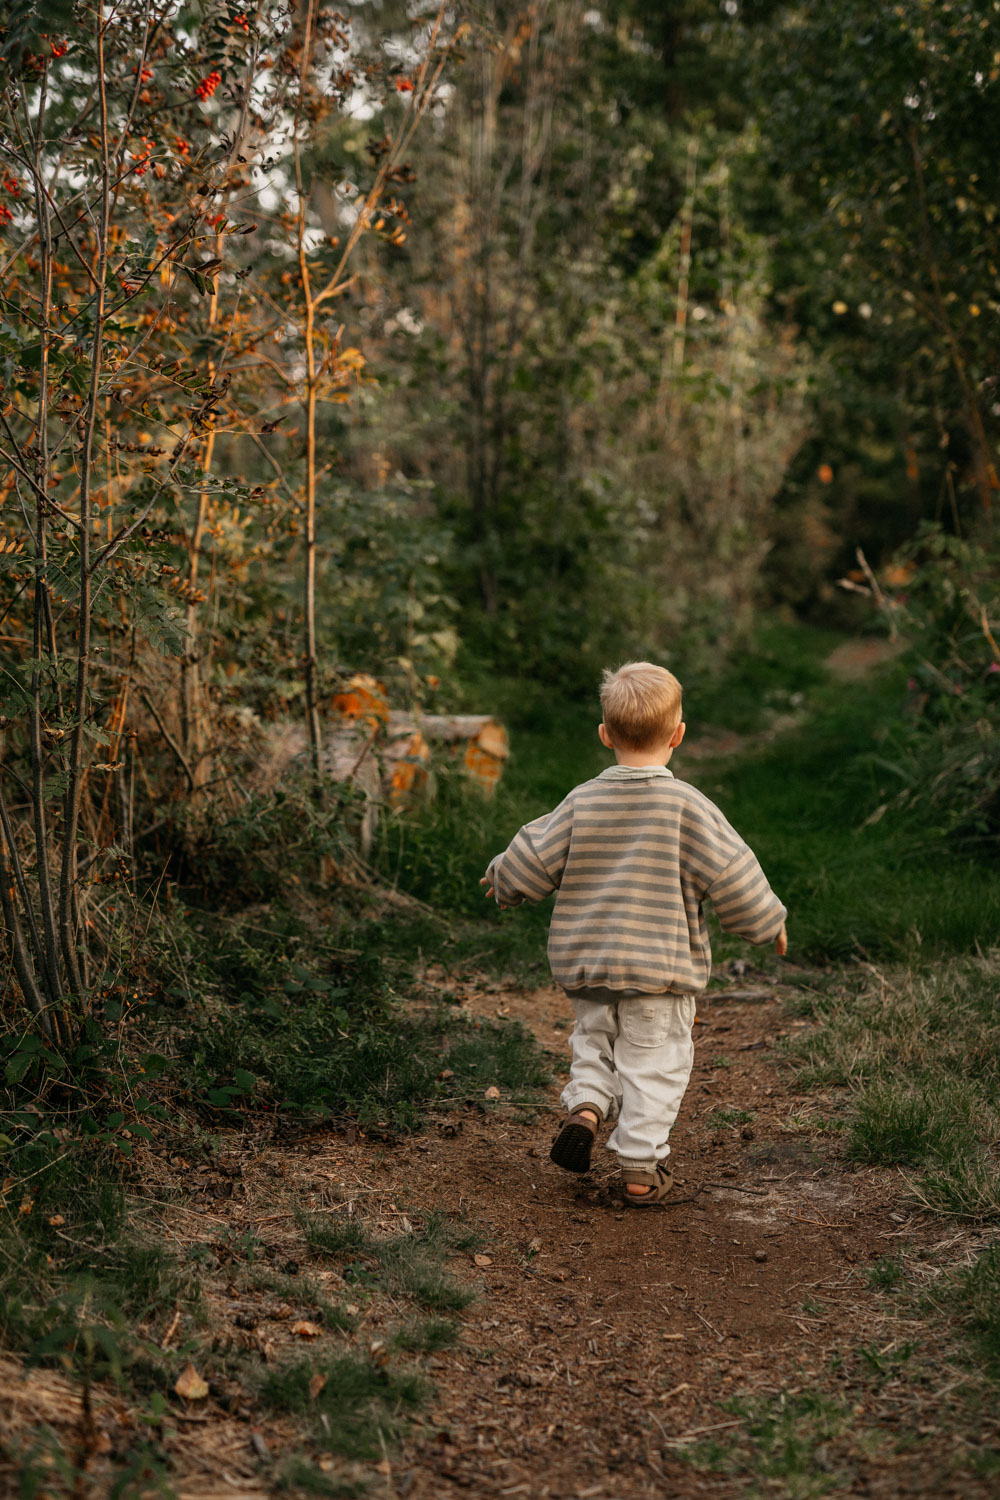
746	905
531	866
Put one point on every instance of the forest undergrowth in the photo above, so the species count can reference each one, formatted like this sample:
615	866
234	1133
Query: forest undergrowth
305	1011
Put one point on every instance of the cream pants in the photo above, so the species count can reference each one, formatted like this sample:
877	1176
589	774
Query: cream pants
633	1058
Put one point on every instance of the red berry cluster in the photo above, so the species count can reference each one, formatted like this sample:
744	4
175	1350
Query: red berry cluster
241	21
208	86
143	155
13	187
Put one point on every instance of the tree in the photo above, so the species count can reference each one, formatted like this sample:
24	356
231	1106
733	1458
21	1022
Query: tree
141	149
881	119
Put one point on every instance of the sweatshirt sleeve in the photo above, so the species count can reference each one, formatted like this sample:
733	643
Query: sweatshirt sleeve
531	867
744	902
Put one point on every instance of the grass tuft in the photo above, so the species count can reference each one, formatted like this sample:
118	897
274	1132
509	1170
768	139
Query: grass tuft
976	1298
406	1265
357	1407
921	1053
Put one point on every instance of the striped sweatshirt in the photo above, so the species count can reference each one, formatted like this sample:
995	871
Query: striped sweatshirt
631	856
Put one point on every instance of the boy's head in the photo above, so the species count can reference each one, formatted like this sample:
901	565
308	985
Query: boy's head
641	705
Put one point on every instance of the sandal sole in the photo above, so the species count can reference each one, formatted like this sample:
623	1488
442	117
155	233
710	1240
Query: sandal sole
572	1147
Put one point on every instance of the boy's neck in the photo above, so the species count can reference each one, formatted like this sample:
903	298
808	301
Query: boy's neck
643	758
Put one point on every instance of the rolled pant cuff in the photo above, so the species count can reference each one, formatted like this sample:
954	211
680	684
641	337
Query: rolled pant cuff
573	1099
647	1164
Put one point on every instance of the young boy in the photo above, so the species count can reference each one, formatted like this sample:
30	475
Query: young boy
632	855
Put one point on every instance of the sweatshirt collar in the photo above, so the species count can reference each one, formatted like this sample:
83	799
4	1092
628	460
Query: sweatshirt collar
634	773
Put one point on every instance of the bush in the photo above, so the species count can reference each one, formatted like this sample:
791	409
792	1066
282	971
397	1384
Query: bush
945	750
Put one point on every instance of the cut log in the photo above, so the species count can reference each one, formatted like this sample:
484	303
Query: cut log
480	739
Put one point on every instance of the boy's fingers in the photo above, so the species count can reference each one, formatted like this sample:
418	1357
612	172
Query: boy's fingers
781	943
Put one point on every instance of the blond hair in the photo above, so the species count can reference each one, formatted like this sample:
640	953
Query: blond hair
641	705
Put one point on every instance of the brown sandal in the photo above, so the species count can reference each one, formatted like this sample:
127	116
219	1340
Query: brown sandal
659	1183
572	1146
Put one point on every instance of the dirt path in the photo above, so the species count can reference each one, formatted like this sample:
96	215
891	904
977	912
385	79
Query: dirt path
605	1341
605	1348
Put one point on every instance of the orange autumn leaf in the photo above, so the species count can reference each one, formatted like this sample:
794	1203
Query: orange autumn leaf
190	1385
303	1329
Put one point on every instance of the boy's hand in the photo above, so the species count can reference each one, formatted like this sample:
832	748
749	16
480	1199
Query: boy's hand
489	893
781	942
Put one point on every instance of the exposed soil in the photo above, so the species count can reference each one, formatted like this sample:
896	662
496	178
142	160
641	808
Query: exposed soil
605	1343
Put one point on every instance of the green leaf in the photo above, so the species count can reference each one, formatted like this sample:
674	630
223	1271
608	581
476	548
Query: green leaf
18	1067
154	1064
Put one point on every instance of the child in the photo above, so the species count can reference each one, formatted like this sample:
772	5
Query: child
631	856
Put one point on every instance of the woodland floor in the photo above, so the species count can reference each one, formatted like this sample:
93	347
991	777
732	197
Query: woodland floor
747	1338
605	1349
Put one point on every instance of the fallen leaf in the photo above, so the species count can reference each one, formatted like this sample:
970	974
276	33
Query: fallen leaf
190	1385
483	1260
306	1330
492	1092
26	1206
351	1310
8	1183
446	1073
316	1384
56	1221
383	1466
379	1353
534	1246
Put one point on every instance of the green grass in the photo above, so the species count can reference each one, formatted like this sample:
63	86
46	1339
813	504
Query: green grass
885	890
974	1299
426	1335
719	1118
886	1273
361	1404
404	1265
920	1052
780	1439
313	1022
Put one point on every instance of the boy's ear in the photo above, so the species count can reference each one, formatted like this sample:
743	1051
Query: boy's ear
604	737
677	735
